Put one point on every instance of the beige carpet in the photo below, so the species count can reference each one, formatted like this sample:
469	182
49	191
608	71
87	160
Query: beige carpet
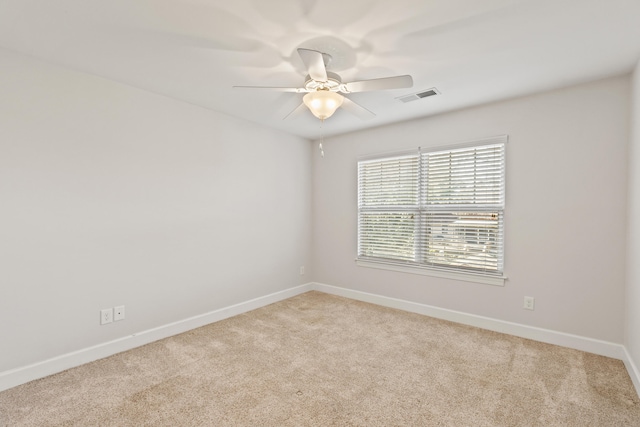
322	360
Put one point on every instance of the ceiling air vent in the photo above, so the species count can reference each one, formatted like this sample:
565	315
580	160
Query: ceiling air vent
415	96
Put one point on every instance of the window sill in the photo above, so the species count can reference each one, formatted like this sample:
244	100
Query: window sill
467	277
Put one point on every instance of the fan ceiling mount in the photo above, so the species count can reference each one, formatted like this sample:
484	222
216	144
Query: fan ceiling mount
325	90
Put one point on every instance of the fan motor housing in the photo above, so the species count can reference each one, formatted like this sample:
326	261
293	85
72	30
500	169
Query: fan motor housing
333	83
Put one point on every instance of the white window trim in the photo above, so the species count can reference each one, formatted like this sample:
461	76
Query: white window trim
482	278
426	271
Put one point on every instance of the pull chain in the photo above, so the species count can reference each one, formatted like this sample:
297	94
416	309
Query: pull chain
321	139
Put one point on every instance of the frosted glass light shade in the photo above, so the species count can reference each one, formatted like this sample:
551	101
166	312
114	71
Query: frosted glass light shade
323	103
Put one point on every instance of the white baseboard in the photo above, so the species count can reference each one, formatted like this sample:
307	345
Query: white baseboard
604	348
15	377
634	373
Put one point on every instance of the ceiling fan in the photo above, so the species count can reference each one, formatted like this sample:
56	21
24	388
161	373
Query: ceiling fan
324	89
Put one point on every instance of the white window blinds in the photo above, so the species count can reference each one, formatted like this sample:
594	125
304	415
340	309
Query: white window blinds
437	209
388	199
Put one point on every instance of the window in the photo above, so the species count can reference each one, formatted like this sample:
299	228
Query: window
436	210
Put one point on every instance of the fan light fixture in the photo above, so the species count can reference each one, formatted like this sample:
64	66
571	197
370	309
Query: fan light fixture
324	89
323	102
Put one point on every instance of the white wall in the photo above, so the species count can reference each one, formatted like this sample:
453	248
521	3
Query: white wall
110	195
565	217
115	196
633	255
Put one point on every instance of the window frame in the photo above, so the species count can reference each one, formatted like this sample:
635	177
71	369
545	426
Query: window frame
418	264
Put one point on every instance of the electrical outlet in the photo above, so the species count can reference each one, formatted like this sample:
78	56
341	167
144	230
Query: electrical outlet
106	316
529	303
302	270
118	313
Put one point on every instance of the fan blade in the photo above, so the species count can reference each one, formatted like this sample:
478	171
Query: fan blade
275	89
357	109
300	108
396	82
314	61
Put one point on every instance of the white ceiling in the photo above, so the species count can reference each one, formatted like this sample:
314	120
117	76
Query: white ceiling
473	51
